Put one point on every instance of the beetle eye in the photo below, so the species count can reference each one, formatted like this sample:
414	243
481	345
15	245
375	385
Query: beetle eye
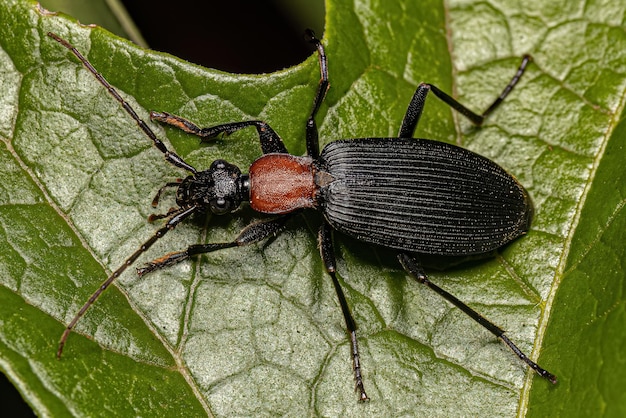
218	165
220	206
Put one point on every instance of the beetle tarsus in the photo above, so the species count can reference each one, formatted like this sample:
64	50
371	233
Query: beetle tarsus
167	260
534	366
356	364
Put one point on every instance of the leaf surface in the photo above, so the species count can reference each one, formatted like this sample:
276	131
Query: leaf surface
258	331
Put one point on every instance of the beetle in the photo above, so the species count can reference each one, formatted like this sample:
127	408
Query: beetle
416	196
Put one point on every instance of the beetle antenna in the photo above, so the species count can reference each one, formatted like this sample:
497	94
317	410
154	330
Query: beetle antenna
174	220
170	156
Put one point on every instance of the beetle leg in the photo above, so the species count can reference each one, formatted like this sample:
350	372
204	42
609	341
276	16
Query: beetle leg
255	232
328	257
414	111
415	269
312	136
270	141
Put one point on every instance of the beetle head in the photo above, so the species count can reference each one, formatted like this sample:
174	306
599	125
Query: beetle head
220	189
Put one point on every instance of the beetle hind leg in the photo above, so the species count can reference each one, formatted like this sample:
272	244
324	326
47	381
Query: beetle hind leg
414	268
416	106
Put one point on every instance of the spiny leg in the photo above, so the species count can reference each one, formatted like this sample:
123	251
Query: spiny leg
328	257
249	235
312	136
414	111
175	219
414	268
170	156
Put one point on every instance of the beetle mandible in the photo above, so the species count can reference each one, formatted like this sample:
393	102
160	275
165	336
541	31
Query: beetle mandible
436	199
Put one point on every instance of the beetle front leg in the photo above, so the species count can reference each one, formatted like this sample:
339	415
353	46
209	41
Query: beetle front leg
328	257
249	235
415	269
270	141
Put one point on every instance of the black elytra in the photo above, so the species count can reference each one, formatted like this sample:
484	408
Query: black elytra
412	195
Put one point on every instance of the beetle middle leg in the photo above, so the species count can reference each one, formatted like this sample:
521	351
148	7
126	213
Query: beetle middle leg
415	269
414	111
328	257
312	135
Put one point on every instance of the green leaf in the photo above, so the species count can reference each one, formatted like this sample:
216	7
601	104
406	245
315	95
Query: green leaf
258	330
586	335
110	14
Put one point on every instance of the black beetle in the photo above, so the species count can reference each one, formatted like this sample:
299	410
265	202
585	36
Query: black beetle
412	195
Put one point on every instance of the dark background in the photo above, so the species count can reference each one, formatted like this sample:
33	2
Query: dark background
241	36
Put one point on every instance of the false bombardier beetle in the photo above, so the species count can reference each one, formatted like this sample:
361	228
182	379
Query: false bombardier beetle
408	194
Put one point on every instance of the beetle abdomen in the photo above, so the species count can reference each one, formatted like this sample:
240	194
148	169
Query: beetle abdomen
422	195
